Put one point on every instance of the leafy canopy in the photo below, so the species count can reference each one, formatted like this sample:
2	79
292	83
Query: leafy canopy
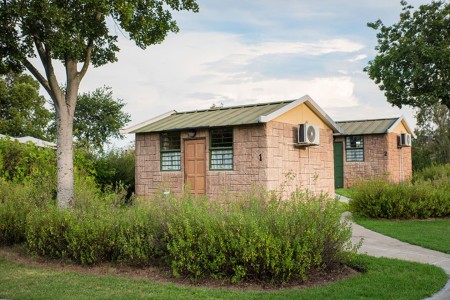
22	111
78	29
97	119
412	66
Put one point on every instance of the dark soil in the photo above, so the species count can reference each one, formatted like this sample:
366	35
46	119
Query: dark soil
18	255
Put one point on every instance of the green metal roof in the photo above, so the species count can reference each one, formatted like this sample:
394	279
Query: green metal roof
214	117
377	126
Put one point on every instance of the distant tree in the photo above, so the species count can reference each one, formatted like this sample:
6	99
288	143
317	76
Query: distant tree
97	119
412	66
432	145
114	168
22	111
77	34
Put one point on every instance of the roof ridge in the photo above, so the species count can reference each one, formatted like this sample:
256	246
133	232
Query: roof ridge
363	120
234	107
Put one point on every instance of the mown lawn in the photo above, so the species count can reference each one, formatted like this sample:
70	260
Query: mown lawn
384	279
343	192
432	234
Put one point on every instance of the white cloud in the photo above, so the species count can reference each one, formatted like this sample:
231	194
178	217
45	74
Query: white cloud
308	48
358	57
195	70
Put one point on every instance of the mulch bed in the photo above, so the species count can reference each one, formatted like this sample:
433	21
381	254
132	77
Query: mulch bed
19	255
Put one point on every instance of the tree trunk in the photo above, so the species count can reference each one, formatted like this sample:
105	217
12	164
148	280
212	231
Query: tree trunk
65	159
65	111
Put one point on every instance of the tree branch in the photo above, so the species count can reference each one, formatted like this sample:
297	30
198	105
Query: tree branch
41	51
51	77
87	59
38	76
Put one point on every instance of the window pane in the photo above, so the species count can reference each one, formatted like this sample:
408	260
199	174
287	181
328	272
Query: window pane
170	161
221	154
354	148
354	142
170	141
222	138
222	159
170	151
355	154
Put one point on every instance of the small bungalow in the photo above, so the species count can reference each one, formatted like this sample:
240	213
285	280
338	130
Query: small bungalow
234	148
367	149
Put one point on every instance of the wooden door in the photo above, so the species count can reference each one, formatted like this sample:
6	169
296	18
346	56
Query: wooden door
195	165
338	165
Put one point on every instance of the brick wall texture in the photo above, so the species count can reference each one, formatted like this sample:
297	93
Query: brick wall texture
264	156
382	159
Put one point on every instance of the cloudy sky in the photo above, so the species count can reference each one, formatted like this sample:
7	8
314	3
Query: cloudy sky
250	51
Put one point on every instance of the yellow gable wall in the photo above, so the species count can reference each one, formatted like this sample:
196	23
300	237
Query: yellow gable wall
400	128
299	115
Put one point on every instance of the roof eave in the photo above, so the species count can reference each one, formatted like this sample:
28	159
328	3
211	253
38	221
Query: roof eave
311	105
401	119
137	127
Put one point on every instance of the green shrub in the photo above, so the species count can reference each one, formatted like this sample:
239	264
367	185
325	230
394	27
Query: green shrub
16	201
95	231
22	163
263	239
428	195
251	237
436	173
46	229
12	212
116	169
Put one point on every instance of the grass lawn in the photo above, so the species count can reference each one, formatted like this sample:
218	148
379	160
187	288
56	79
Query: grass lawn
431	234
343	192
384	279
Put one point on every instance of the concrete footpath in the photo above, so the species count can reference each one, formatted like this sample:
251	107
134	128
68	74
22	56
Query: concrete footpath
378	245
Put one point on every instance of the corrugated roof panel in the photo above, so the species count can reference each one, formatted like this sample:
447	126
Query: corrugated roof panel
238	115
377	126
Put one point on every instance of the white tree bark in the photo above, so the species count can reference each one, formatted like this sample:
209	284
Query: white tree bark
65	111
65	159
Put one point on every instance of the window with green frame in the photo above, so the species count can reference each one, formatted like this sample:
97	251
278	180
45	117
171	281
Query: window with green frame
170	151
354	148
221	149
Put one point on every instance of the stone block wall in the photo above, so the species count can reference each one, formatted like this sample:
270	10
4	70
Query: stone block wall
382	159
291	167
149	179
249	144
374	164
399	163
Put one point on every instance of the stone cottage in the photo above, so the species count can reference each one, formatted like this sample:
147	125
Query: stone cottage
235	148
367	149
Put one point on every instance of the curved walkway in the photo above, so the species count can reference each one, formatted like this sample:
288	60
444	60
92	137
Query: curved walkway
378	245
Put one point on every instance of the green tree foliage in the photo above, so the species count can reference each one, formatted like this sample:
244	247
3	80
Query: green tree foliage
115	168
432	145
22	163
22	111
93	130
412	66
77	34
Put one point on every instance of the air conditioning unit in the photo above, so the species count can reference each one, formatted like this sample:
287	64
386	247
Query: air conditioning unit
404	140
308	134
